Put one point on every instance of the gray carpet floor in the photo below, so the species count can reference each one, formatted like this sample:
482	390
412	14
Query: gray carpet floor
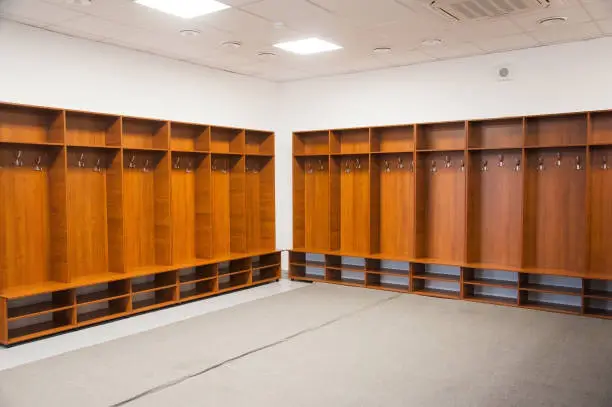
326	345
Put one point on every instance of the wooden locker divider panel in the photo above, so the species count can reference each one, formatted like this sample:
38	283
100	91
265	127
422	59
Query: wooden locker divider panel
555	229
495	202
142	201
335	205
311	143
260	203
189	208
145	134
227	140
31	125
315	172
237	207
392	177
440	198
299	202
189	137
33	215
350	141
496	134
556	130
392	139
92	130
87	191
114	213
220	182
3	321
203	214
163	212
601	211
354	204
441	136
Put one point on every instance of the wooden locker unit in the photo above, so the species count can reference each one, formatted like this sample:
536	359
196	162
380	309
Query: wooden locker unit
517	208
106	216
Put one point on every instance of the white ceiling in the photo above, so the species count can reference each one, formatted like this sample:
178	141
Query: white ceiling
357	25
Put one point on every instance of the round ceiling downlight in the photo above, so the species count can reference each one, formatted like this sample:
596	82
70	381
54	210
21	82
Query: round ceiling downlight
382	50
190	33
231	44
431	42
549	21
80	2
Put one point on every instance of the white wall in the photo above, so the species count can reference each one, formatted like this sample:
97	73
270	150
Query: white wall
563	78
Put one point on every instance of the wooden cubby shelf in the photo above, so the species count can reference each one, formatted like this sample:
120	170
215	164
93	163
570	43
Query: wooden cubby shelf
509	211
104	216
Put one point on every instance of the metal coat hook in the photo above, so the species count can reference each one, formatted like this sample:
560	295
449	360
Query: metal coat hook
501	161
579	165
558	162
517	165
447	162
189	168
18	159
604	163
434	168
461	166
484	166
309	167
37	162
177	163
357	163
132	163
400	163
347	166
540	166
146	166
387	166
98	166
215	168
321	166
411	167
81	162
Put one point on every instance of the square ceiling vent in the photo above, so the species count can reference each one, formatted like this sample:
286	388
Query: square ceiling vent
470	10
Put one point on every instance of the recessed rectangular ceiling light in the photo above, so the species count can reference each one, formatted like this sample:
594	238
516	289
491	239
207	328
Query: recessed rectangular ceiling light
307	46
185	8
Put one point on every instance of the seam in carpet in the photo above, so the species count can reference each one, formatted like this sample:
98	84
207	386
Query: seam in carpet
182	379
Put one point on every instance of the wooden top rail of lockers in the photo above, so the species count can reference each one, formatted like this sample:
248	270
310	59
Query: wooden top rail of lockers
90	197
525	193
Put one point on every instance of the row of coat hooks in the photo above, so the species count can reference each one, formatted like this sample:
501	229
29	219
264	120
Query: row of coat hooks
577	163
222	166
37	163
399	164
146	166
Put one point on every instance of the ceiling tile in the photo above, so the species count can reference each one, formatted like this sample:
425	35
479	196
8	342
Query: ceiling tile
553	35
598	10
36	11
399	58
296	15
94	27
605	26
506	43
474	31
365	13
452	51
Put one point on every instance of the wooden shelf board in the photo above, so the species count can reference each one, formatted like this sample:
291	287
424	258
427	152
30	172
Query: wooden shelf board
99	315
310	154
33	143
100	278
194	294
389	287
148	270
347	267
226	153
34	289
347	281
77	145
341	154
265	280
494	148
314	264
547	306
259	154
491	266
98	296
438	150
264	266
600	295
390	272
392	152
232	273
555	146
188	151
149	287
161	150
493	299
552	289
34	331
149	304
436	292
33	310
598	312
436	277
310	278
226	287
430	260
194	280
490	282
